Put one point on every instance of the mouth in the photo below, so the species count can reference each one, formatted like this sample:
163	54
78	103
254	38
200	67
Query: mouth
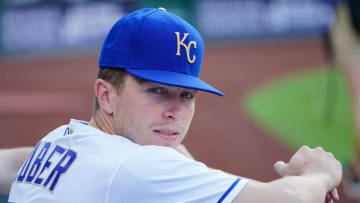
166	134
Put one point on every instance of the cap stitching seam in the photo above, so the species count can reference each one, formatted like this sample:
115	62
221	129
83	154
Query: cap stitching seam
138	35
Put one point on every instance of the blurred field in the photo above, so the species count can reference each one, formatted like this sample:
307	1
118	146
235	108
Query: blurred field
299	110
37	94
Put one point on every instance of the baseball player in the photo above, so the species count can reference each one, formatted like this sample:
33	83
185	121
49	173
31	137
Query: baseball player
345	41
145	100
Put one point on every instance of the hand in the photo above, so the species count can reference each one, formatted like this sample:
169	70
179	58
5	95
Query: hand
308	161
331	196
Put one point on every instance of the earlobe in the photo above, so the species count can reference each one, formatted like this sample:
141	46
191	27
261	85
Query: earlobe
102	91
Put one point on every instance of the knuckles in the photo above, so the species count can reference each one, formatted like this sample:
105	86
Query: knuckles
319	149
315	161
318	155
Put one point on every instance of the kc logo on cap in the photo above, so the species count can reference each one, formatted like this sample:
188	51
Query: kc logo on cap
187	47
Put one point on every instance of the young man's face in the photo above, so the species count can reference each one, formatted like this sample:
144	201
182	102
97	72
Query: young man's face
153	114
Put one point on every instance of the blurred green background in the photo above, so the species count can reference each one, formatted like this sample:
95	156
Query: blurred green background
309	108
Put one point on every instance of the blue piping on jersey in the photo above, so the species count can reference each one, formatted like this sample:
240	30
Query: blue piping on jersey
228	190
84	122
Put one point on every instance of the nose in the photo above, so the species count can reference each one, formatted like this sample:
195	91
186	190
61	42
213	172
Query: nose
169	115
173	110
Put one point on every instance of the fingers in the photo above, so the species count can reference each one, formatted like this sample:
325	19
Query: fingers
313	161
304	149
331	196
281	168
320	149
328	198
334	194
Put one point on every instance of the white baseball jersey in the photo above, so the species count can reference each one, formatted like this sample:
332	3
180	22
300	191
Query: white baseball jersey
81	164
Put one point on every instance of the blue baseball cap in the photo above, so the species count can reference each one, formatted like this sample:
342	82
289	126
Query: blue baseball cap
158	46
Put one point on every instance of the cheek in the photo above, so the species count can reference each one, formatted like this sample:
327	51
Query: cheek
192	109
119	113
127	122
140	116
190	113
117	103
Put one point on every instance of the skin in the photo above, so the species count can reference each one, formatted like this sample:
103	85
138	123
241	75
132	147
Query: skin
11	160
311	175
155	114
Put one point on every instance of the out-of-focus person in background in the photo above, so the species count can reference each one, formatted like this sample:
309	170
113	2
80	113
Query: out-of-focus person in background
345	43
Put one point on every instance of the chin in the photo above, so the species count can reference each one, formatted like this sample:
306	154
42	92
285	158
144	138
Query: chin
165	144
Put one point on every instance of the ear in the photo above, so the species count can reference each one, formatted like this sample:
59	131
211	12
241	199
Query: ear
102	91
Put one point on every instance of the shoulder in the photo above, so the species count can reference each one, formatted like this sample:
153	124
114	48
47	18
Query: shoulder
152	162
160	153
56	132
151	173
161	158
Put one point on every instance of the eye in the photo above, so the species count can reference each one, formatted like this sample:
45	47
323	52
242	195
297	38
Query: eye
187	95
155	90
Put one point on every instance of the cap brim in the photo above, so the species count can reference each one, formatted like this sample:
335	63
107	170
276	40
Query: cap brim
174	79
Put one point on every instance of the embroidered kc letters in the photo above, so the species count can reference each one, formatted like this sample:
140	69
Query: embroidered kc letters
187	47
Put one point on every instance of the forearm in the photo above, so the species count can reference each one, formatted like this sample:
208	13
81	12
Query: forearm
295	189
309	189
10	162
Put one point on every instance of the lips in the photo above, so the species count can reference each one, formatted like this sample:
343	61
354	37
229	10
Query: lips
166	134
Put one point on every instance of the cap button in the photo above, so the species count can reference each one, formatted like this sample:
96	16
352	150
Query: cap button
162	9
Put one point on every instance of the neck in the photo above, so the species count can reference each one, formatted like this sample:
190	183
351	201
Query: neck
103	122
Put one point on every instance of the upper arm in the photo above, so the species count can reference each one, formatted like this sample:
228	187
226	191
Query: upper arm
154	173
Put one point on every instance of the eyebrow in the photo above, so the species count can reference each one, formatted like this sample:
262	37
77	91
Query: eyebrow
140	80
